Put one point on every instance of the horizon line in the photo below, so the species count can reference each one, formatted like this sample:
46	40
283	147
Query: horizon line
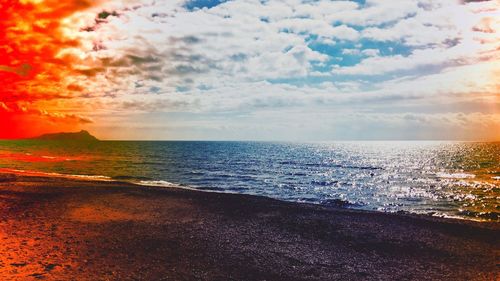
270	140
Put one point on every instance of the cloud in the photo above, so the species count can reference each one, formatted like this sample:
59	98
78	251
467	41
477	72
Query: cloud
461	54
32	66
370	52
180	52
271	40
446	35
376	12
132	58
27	109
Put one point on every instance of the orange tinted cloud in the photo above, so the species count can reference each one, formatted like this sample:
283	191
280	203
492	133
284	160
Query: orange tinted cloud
31	65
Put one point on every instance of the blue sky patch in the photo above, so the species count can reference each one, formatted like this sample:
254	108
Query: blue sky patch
200	4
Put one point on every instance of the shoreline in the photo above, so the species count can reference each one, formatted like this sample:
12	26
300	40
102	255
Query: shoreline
59	228
165	184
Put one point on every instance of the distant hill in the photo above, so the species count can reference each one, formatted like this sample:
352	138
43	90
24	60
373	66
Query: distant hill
78	136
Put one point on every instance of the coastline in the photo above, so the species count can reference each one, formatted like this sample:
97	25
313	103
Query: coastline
165	184
66	228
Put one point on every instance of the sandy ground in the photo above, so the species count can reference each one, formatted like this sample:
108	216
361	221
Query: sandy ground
60	229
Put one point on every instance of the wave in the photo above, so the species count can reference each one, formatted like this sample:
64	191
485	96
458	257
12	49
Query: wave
455	175
338	203
49	157
157	183
494	216
127	179
167	184
56	175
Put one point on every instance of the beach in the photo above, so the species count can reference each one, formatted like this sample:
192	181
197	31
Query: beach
55	228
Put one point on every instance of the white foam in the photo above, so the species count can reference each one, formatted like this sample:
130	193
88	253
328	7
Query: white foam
158	183
449	216
455	175
49	157
58	175
89	177
496	178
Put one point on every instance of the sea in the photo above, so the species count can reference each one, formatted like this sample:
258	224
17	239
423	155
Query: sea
446	179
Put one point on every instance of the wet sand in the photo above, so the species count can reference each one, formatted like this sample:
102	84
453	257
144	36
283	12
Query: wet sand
63	229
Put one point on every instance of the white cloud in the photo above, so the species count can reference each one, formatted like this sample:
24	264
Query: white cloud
351	52
159	57
370	52
460	54
376	12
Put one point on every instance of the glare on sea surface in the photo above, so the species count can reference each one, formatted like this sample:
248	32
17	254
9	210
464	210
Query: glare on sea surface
440	178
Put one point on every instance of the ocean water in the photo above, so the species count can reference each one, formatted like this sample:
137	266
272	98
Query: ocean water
452	179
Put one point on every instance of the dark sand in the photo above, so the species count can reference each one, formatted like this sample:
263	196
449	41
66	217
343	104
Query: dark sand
61	229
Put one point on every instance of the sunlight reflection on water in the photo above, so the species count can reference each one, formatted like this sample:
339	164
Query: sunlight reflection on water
457	179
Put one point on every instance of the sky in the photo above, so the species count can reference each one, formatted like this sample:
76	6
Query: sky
295	70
